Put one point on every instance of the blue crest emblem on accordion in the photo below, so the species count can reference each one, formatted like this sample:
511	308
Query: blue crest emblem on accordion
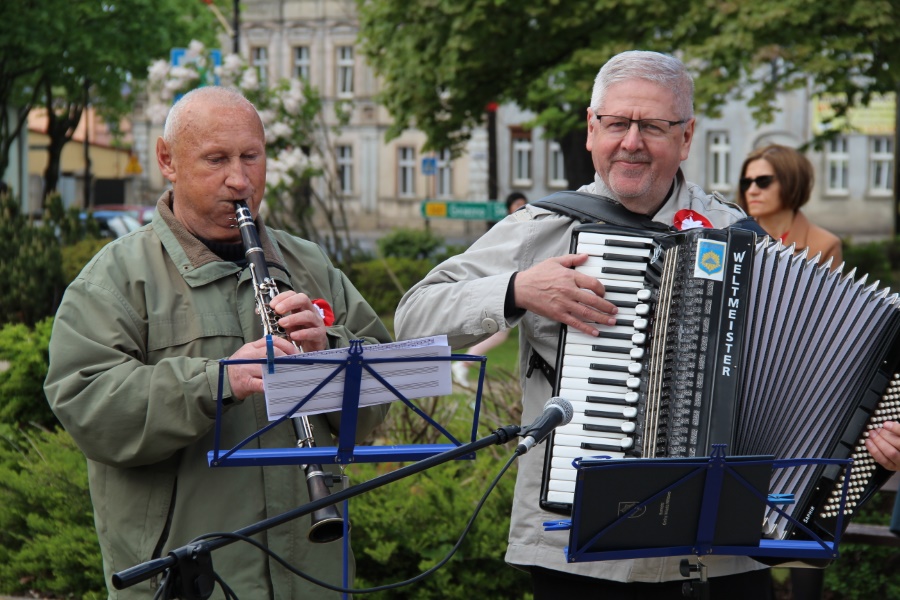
710	261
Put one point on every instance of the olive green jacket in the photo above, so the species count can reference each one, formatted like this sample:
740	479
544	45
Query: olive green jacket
133	378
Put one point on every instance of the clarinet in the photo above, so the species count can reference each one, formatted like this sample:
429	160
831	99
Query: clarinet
327	524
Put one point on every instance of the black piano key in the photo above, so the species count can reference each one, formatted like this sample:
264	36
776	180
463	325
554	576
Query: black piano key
602	428
614	368
618	349
626	303
617	400
606	381
605	414
628	244
601	446
618	289
625	321
636	273
615	335
624	257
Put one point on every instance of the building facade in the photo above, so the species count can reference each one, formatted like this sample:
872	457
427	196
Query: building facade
383	183
853	195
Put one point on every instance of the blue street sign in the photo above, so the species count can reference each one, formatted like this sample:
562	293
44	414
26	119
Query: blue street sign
429	165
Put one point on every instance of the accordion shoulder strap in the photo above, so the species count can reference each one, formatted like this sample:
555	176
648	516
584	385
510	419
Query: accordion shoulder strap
590	208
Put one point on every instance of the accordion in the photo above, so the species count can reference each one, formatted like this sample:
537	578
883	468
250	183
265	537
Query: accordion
725	338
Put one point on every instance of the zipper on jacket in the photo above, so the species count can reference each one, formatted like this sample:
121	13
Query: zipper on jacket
164	536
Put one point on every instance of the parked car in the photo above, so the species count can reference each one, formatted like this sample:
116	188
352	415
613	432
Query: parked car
113	223
144	214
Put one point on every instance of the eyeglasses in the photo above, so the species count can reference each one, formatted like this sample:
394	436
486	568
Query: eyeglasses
614	126
762	182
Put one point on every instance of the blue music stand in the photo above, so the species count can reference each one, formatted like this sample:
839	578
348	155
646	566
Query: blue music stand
711	527
346	451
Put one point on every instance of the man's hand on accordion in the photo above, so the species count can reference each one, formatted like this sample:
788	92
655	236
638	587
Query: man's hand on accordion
884	445
553	289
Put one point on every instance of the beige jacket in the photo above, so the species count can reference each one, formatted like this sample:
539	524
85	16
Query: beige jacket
805	234
463	297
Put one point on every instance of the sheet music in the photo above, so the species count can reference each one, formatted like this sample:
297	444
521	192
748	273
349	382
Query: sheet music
291	383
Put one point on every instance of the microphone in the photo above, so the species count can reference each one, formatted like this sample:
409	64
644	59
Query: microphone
557	411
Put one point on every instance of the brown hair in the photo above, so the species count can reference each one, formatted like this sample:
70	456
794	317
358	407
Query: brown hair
793	171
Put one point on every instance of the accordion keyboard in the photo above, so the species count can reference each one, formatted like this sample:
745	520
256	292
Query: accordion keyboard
600	375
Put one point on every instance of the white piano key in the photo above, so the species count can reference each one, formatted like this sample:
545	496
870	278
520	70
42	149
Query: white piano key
576	337
560	497
612	278
573	395
585	373
587	362
572	452
627	412
561	486
561	468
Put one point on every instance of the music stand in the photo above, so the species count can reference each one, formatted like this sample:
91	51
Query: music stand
687	506
346	452
352	367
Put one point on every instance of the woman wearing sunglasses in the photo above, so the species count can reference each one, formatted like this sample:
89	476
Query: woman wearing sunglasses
775	182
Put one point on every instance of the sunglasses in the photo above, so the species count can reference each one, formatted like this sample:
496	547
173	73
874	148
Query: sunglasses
762	182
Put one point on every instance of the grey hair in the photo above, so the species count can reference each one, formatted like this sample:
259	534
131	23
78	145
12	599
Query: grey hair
224	96
661	69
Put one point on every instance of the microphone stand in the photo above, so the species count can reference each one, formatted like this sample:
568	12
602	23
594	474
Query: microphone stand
191	565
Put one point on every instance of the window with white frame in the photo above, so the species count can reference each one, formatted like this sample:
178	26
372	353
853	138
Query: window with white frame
837	162
345	71
406	171
556	166
881	165
259	57
718	155
301	62
521	157
345	168
444	174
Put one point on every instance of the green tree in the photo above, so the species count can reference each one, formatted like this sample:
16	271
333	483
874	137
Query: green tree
442	62
66	54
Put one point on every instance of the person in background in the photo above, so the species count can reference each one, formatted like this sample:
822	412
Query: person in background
775	182
460	368
515	201
134	363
